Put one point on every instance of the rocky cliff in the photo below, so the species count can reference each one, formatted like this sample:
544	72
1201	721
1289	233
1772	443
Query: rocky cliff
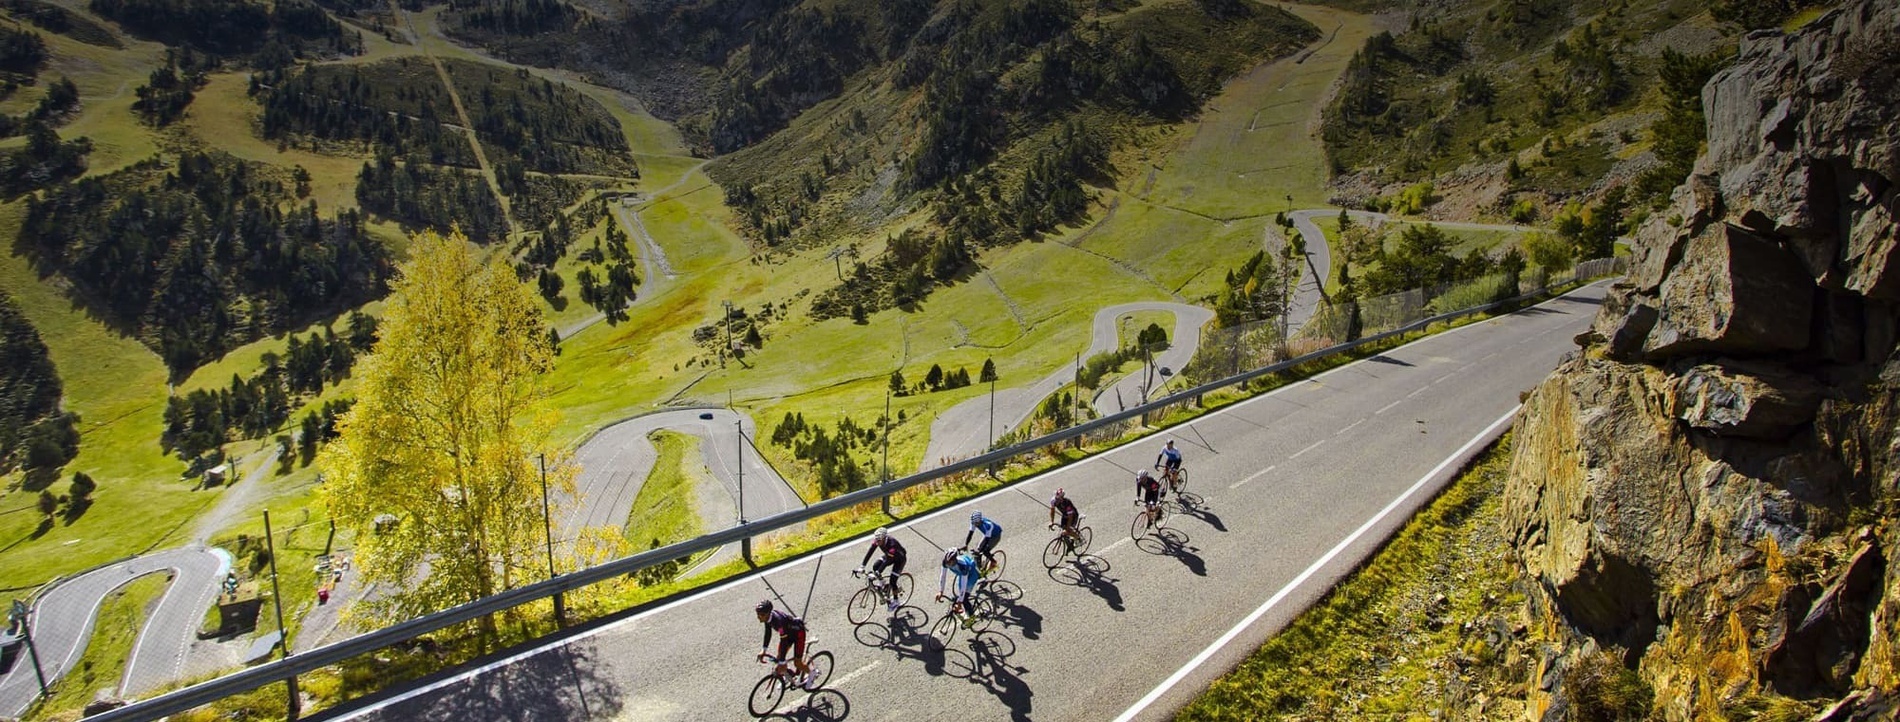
1706	493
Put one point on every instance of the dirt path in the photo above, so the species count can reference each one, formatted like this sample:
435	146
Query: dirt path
461	111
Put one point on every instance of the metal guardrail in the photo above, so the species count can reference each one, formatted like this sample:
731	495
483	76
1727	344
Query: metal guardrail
306	662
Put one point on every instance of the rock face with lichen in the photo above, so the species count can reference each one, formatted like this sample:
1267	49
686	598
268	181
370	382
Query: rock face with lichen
1708	492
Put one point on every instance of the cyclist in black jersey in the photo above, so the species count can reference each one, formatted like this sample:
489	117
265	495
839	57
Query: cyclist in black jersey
894	557
791	638
1062	510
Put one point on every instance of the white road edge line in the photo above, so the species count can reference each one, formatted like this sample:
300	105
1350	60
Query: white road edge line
1388	407
1420	390
1113	547
808	558
1287	590
1255	475
1349	427
1309	447
833	685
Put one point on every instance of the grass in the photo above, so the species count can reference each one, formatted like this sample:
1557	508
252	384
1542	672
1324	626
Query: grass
667	509
1392	641
121	617
117	386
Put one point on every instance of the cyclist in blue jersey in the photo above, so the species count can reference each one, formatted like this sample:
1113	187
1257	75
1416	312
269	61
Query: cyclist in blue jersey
1168	462
961	564
992	533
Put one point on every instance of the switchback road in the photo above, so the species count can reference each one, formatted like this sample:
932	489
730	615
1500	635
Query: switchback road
1296	487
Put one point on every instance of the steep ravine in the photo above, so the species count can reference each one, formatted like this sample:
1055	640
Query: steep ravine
1706	491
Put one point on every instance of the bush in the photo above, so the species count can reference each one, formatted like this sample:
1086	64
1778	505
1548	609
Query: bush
1601	689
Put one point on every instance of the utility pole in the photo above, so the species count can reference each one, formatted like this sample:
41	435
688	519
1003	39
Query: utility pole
887	449
277	600
547	528
20	619
727	322
1075	413
745	544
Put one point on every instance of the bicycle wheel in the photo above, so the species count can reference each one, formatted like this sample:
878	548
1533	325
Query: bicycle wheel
996	567
862	606
1083	537
1052	555
905	586
766	695
1139	527
820	662
1161	516
982	614
1180	480
944	630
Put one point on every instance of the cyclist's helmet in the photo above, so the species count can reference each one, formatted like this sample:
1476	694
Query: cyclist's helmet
976	517
1170	442
1058	493
1142	475
763	607
880	534
949	557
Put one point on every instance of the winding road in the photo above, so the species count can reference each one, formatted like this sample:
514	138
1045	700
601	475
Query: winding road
615	463
63	621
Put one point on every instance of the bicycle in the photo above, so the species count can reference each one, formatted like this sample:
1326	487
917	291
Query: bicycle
770	690
1154	516
1176	477
973	615
877	590
1067	542
987	570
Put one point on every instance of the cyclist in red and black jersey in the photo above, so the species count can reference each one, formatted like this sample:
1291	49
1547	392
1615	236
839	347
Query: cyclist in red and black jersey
791	638
894	557
1061	506
1148	491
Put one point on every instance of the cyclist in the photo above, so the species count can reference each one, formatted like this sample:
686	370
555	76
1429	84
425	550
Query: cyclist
1061	506
992	533
791	638
894	557
962	564
1169	462
1148	492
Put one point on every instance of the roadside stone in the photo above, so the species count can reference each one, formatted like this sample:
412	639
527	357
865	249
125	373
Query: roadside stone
1735	292
1746	401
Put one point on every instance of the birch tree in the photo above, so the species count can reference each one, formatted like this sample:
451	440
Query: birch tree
442	443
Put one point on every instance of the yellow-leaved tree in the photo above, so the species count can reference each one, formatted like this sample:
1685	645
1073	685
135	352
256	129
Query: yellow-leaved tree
435	467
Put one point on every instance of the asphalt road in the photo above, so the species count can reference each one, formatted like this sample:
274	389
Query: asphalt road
964	430
1136	388
615	464
1298	486
63	620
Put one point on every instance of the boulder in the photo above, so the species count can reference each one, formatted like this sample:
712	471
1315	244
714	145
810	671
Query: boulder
1746	401
1623	323
1734	293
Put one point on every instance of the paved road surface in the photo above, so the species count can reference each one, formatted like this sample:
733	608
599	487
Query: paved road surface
964	430
615	464
63	620
1298	486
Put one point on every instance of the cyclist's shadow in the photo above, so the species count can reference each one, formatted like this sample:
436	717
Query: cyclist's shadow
1090	572
824	705
990	667
1006	597
1194	506
907	635
1174	543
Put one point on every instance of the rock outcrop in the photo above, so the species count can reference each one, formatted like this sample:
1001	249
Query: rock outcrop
1708	488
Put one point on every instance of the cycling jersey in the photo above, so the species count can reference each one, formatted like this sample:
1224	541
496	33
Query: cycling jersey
892	550
964	568
1170	457
1066	508
988	528
893	557
791	632
1148	490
